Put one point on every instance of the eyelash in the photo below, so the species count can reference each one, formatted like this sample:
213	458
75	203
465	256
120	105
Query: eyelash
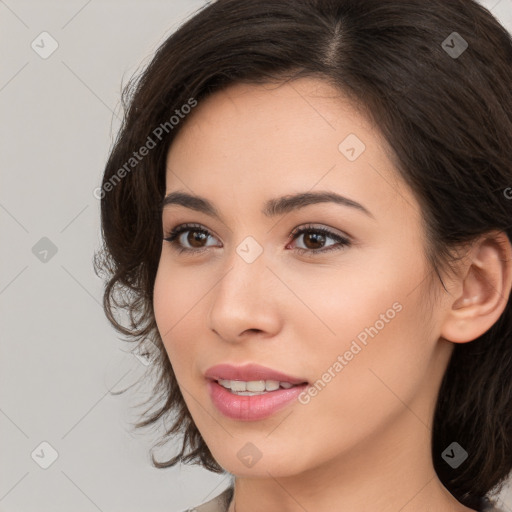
183	228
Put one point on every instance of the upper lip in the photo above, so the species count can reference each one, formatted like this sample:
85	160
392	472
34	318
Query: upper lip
249	372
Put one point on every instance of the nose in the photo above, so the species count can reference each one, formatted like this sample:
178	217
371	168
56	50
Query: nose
245	301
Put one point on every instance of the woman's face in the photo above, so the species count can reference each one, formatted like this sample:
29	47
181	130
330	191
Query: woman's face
352	319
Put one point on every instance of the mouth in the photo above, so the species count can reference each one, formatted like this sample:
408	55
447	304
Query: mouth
255	377
251	392
255	387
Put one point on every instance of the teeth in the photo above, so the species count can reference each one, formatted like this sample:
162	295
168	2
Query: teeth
270	385
238	386
253	386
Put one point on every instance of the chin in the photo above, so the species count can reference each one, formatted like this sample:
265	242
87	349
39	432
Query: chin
254	460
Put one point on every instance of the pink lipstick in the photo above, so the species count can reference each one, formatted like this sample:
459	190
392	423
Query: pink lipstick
251	392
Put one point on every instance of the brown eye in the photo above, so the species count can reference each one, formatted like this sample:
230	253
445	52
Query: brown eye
188	238
191	238
195	238
314	239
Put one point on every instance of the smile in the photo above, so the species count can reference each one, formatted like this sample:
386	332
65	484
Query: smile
253	387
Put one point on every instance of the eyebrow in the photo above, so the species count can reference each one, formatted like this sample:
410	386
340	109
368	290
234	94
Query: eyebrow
272	208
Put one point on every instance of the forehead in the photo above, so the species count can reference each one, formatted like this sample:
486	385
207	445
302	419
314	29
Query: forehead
282	137
303	109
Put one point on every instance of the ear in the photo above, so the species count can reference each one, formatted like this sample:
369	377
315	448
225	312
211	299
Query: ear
482	289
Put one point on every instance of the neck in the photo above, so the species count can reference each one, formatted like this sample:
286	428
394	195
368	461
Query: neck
392	473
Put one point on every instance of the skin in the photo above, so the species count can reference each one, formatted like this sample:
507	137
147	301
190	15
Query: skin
363	442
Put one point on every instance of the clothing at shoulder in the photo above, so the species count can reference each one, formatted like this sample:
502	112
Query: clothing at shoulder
218	504
221	504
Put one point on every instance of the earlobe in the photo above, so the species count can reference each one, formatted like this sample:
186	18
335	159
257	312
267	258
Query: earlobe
484	289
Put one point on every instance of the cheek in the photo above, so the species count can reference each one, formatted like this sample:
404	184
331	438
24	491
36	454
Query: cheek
180	301
172	298
369	342
359	299
377	363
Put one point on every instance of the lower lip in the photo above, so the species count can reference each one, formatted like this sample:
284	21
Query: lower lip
251	408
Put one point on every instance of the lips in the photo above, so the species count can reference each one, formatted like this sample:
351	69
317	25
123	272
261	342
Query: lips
257	406
250	372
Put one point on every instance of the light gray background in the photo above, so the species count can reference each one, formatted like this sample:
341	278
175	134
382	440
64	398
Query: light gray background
60	357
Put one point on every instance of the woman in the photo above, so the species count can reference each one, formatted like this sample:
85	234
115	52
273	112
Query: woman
308	213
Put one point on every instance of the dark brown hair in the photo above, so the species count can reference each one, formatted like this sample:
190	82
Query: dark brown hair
447	117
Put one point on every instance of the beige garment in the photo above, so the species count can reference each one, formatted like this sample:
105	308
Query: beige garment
221	504
218	504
